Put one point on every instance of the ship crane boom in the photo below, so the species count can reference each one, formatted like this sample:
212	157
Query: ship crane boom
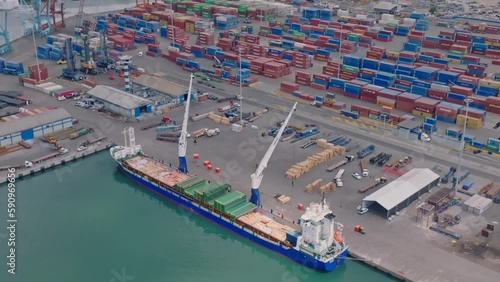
258	174
182	139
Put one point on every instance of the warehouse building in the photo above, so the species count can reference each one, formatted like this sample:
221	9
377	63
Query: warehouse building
34	126
386	8
120	102
408	130
399	194
163	92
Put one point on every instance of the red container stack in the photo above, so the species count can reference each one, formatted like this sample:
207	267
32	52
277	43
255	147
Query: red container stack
321	57
347	47
369	93
205	38
406	101
459	48
426	105
289	87
301	60
275	70
225	44
493	54
257	50
173	30
493	105
257	65
448	112
445	44
332	69
322	77
303	78
363	111
38	72
251	39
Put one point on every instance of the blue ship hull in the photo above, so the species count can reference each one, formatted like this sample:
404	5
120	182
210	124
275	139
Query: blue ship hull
291	253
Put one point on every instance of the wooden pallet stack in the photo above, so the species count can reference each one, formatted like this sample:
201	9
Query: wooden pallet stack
310	187
283	199
330	151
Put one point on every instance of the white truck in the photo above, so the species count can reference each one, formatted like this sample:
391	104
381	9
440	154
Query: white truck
212	132
364	168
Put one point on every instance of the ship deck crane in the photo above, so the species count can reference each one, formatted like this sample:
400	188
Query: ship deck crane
182	139
258	174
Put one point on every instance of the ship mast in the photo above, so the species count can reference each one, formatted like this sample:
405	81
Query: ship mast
258	174
182	139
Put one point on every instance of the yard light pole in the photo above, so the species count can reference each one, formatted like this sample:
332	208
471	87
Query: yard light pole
241	88
467	101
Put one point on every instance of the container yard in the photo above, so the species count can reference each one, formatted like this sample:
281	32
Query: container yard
369	91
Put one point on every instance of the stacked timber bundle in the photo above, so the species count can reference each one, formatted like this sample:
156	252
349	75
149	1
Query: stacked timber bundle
218	119
314	185
330	151
261	112
327	187
283	199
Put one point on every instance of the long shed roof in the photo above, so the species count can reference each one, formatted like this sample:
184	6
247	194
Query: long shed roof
385	6
159	84
118	97
402	188
18	125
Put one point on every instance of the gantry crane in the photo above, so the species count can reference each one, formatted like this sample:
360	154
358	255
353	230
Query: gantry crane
258	174
182	139
87	64
6	8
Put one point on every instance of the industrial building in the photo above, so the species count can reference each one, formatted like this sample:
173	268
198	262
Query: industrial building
408	130
37	125
120	102
386	8
400	193
161	91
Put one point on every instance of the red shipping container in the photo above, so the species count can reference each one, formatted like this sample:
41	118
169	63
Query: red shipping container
454	101
474	113
480	100
289	87
462	90
371	89
436	94
372	98
405	106
318	86
444	111
493	54
408	97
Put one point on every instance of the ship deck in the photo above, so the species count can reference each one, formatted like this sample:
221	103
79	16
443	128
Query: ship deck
266	225
156	171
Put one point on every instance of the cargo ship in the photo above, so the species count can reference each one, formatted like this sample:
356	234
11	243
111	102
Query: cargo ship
318	243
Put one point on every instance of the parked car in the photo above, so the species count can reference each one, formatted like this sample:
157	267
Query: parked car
356	175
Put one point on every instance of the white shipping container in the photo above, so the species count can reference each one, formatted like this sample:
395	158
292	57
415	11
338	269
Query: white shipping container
440	87
409	20
299	45
361	16
342	13
386	100
236	127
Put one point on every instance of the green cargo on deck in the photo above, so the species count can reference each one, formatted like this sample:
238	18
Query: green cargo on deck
241	209
192	190
211	192
230	200
189	183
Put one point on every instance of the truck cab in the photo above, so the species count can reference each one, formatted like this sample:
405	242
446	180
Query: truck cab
166	119
339	183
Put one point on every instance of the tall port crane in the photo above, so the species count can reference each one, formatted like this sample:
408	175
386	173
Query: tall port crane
258	174
71	72
87	64
79	15
104	61
182	139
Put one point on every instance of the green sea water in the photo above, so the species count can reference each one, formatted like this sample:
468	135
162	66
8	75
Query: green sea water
88	222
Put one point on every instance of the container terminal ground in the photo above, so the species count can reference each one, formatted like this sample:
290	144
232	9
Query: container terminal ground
402	247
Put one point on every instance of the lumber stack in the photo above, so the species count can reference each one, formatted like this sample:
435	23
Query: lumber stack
261	112
314	185
330	151
283	199
219	119
327	187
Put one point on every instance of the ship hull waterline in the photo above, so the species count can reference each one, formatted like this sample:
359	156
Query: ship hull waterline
290	253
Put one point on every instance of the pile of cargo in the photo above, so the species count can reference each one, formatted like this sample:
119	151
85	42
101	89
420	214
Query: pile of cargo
303	78
219	119
205	38
289	87
37	73
302	167
275	69
11	67
311	186
301	60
